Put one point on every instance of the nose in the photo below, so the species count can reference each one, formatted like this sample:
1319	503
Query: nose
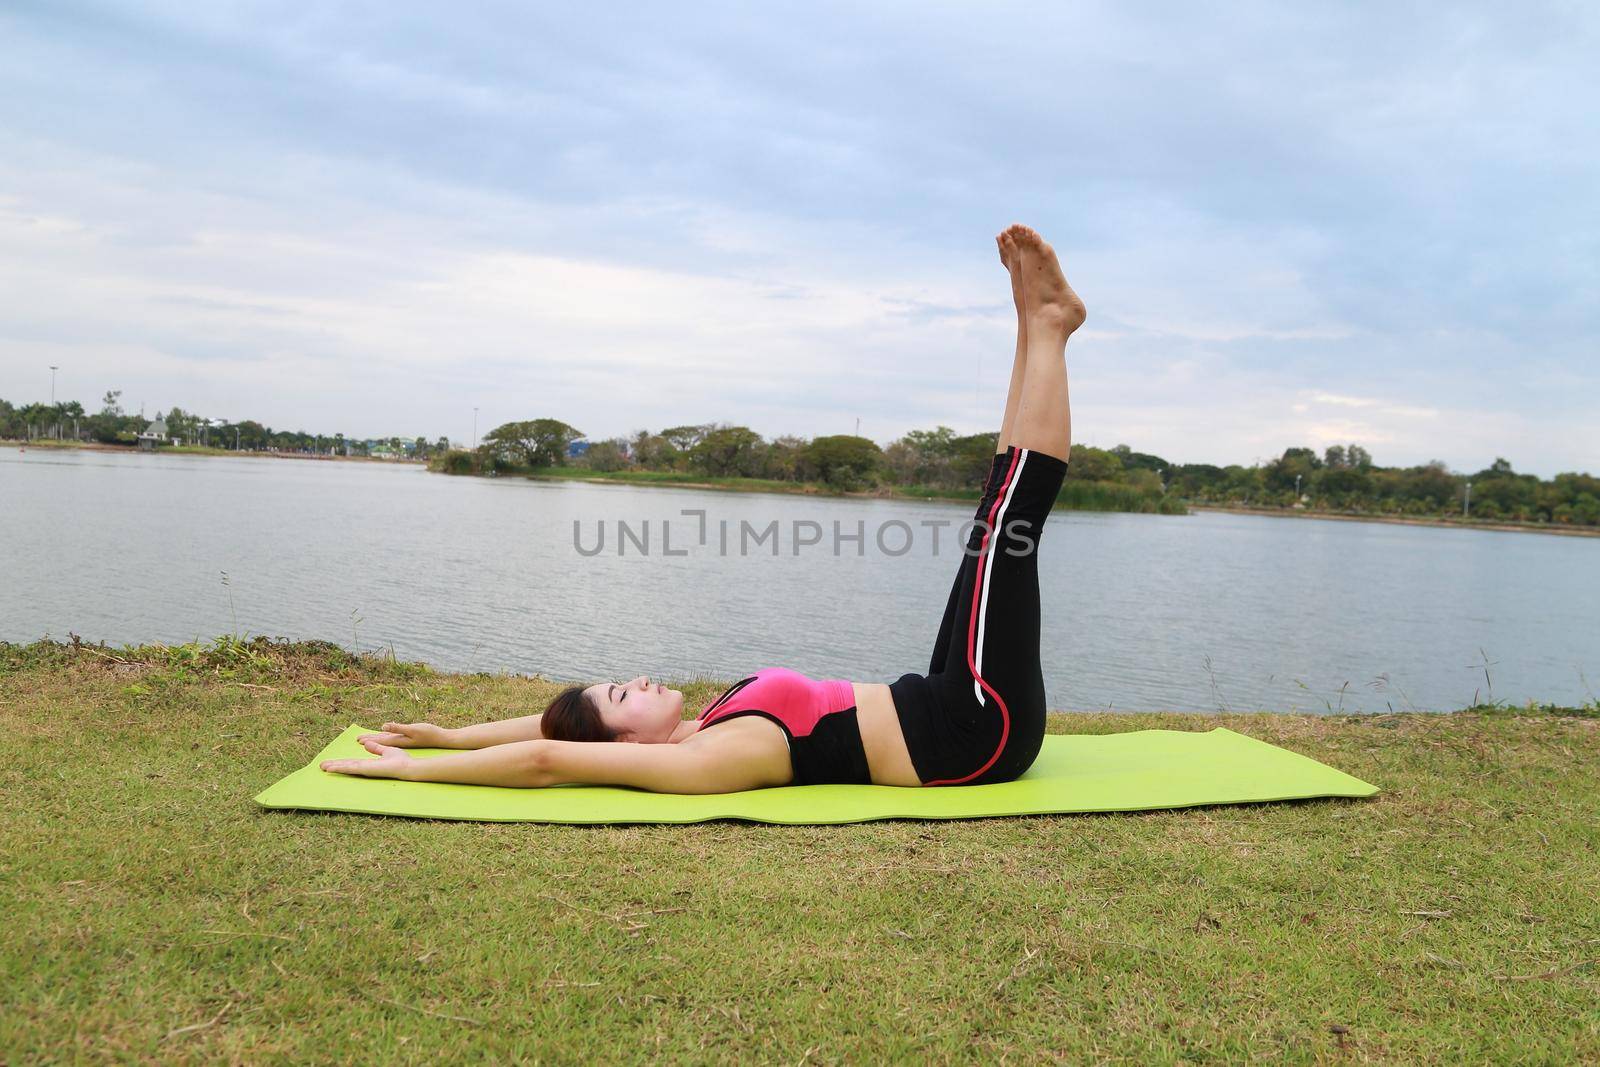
644	683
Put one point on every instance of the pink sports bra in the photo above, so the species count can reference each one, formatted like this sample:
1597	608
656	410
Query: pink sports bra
787	697
818	721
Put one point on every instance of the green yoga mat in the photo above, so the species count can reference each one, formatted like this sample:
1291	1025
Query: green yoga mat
1133	771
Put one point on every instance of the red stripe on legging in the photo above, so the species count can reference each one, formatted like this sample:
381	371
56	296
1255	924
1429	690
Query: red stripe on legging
972	631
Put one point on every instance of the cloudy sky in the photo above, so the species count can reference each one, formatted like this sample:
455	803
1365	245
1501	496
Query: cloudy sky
1374	223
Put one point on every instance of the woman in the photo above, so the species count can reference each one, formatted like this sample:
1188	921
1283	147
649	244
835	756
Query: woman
977	716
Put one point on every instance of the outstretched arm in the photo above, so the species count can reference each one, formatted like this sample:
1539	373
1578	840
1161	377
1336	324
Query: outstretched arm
731	764
482	735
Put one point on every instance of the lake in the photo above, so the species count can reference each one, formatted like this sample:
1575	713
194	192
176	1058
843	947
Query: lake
1210	611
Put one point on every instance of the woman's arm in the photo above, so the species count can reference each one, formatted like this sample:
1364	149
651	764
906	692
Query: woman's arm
728	764
482	735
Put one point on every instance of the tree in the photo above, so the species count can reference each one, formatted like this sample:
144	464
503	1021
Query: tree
651	451
184	425
972	457
1431	484
1344	481
1295	462
1091	464
923	457
684	438
784	457
727	450
1195	479
534	442
251	435
36	417
110	425
608	455
940	458
1139	461
843	461
61	413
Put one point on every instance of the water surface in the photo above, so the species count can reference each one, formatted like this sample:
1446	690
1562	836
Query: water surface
1196	613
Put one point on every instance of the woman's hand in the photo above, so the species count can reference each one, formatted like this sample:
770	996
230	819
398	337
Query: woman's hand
412	735
391	762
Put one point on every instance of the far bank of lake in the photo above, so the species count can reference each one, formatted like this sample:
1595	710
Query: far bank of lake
683	480
1406	520
676	480
48	444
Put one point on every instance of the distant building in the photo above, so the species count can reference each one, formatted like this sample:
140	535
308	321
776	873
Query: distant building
577	448
154	435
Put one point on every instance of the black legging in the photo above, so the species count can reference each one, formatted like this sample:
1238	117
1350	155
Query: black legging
977	716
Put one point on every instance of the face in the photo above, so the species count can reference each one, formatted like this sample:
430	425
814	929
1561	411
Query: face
640	710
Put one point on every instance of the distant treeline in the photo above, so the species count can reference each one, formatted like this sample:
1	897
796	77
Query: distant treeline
1341	478
67	421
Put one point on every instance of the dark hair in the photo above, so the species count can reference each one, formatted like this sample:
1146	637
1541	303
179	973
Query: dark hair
574	716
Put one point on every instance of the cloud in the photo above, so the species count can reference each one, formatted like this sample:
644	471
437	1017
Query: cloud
1361	221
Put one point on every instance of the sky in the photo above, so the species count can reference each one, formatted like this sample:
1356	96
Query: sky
1293	225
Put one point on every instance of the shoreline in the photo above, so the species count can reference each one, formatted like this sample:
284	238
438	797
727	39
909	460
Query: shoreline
227	652
811	489
191	450
799	489
1407	520
764	485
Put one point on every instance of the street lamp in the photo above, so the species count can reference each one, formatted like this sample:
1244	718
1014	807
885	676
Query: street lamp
1466	503
1297	488
53	368
474	429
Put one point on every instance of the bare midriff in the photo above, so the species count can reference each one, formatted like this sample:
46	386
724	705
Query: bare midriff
887	756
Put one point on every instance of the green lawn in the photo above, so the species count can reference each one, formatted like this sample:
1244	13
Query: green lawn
153	913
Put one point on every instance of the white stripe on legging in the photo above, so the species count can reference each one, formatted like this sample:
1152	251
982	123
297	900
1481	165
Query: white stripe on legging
988	565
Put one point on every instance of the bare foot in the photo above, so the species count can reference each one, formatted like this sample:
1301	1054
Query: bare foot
1051	304
1011	256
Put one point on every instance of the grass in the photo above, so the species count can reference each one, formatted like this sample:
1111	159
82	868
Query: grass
154	913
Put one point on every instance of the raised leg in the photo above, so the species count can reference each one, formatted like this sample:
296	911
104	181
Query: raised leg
992	682
991	487
1010	255
1051	312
